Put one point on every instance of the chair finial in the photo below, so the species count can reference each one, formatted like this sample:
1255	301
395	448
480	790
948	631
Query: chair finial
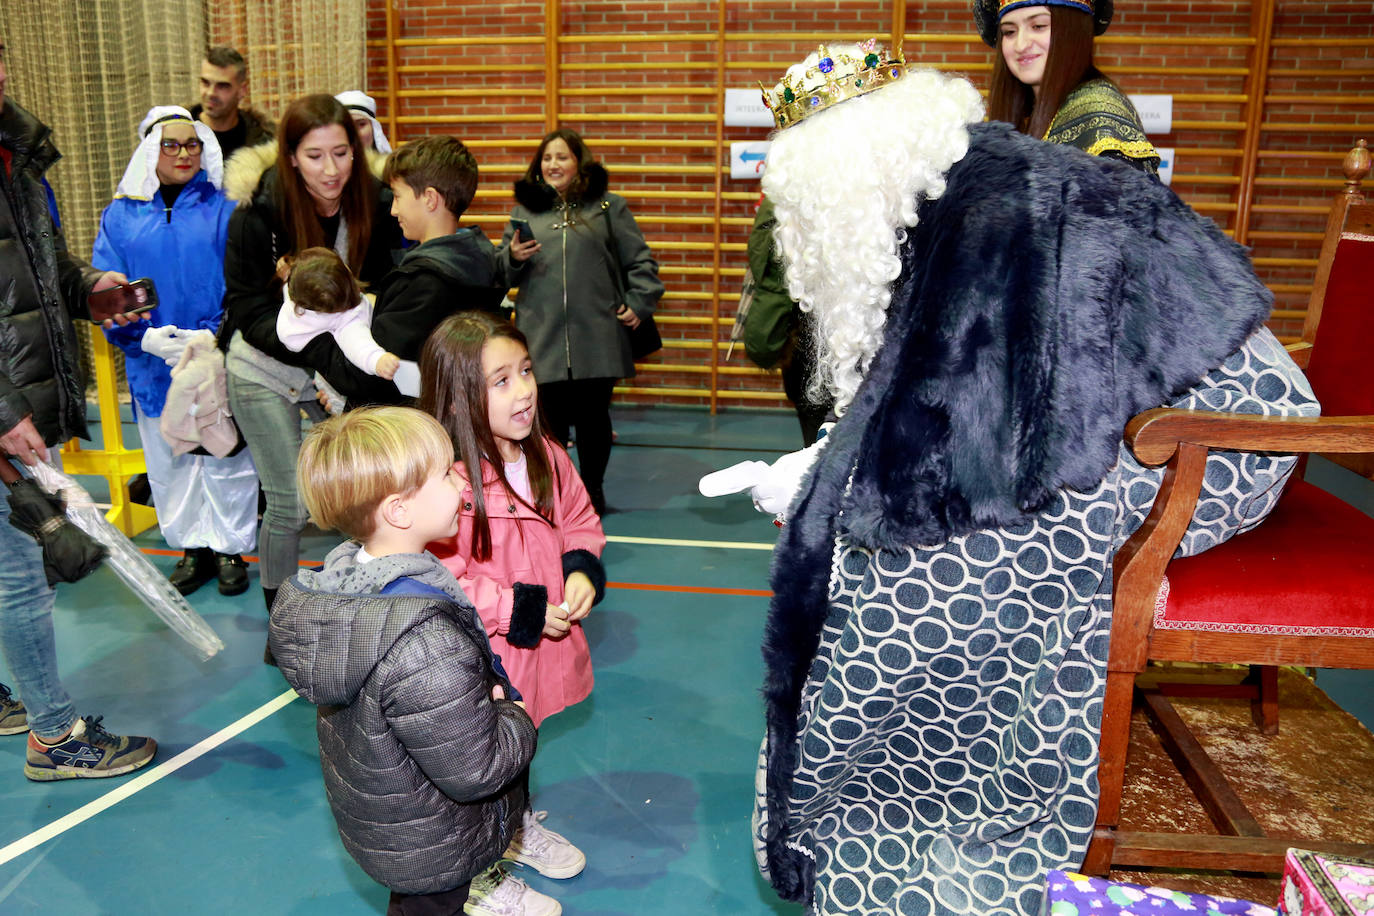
1356	166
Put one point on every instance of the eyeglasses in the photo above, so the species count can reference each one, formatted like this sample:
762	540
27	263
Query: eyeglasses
174	148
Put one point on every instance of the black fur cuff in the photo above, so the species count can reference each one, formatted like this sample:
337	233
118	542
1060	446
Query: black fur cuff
589	564
527	615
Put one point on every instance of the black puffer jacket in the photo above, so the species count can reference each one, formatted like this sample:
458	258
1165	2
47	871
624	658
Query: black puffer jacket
42	287
421	765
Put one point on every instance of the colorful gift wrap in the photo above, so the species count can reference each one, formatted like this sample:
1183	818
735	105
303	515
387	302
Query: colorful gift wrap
1325	885
1070	894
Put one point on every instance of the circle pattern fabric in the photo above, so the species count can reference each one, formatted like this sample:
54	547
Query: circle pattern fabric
949	725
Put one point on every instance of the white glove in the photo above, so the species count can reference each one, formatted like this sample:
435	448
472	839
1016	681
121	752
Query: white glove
169	341
333	401
771	485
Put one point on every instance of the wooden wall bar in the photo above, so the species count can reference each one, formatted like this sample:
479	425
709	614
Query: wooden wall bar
1267	96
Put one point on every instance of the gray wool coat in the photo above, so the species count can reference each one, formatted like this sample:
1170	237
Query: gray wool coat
592	258
421	765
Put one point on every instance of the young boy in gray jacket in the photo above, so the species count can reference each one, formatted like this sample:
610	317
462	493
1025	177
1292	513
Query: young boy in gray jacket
421	748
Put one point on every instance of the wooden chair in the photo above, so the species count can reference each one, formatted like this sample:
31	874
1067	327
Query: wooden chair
1296	590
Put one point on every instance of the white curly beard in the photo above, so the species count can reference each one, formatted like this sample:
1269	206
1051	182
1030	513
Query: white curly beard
845	184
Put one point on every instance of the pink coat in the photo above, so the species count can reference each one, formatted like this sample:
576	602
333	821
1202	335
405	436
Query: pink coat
525	548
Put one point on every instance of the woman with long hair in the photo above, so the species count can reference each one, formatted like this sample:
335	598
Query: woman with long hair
1051	89
589	271
310	188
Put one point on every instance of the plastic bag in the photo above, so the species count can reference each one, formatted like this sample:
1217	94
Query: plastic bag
132	566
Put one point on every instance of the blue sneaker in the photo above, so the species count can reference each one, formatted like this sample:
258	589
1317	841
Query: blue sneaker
88	752
14	718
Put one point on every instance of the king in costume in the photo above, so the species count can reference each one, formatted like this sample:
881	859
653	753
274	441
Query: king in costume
992	309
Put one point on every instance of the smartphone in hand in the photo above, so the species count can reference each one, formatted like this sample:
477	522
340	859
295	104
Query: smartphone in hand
522	226
121	300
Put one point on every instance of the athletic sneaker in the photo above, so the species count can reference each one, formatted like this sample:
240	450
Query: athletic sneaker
14	718
546	852
89	751
496	893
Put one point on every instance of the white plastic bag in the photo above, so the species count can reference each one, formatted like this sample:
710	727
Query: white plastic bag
131	565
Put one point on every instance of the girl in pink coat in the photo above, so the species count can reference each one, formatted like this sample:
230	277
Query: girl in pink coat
528	547
529	542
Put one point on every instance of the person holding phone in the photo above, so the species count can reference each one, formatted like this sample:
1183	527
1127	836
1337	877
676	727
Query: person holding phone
42	403
1044	82
587	271
169	222
310	188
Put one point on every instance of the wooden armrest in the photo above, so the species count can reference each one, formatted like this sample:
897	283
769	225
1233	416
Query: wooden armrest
1154	436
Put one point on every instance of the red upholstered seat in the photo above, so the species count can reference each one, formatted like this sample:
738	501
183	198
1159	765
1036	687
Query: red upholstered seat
1308	570
1296	590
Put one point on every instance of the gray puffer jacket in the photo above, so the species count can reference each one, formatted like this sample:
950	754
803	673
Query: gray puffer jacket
571	289
421	766
42	288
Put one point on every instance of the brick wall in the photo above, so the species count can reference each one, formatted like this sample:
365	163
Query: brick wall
659	140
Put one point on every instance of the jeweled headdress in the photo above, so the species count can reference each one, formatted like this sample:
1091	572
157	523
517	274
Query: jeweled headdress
832	80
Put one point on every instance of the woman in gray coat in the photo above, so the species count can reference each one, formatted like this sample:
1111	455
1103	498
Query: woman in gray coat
589	278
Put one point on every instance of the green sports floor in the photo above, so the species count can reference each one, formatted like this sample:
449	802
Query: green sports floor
652	776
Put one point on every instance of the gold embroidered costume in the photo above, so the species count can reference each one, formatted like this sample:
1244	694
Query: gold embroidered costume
1098	119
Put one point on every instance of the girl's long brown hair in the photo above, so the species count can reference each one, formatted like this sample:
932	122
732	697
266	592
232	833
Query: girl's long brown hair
297	206
1069	63
454	391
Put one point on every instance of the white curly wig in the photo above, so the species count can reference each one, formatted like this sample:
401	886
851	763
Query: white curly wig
845	184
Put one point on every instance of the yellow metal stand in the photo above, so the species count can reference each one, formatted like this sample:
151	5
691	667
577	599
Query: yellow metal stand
114	462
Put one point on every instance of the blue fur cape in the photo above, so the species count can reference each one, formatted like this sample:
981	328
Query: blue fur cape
1045	298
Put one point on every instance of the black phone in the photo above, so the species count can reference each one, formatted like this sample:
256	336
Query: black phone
522	226
121	300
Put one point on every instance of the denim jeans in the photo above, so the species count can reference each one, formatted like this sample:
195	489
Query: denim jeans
271	425
26	632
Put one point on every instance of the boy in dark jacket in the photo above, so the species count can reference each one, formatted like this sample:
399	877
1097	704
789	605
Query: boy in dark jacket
422	751
453	269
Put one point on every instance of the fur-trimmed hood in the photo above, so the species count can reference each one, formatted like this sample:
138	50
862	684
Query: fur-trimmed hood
244	170
537	197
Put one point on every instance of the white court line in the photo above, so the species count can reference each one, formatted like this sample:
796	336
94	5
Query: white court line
143	780
673	542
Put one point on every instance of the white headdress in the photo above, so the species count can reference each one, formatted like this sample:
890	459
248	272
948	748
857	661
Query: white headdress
140	181
364	104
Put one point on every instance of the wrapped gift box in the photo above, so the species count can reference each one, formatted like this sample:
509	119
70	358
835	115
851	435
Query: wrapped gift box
1069	894
1324	885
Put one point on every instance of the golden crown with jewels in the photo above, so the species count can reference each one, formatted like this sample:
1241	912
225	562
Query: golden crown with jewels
832	80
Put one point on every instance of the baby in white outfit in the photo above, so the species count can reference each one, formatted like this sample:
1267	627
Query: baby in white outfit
323	298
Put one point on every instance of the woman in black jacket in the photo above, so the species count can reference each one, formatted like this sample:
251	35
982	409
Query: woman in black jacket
311	188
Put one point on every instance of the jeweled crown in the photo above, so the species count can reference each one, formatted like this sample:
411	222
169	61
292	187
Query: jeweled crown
832	80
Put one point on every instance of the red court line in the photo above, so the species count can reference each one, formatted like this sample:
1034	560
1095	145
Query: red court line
630	586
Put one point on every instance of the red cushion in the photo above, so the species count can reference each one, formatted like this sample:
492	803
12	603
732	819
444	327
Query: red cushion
1341	372
1309	568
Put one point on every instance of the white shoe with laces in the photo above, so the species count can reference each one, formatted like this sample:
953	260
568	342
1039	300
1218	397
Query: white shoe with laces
496	893
546	852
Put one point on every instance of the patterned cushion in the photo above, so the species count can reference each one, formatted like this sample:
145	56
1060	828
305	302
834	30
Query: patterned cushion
1069	894
1308	570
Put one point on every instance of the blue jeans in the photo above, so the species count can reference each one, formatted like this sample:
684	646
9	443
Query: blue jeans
26	632
271	425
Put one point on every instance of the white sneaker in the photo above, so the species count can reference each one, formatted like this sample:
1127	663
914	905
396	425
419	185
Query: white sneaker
546	852
495	893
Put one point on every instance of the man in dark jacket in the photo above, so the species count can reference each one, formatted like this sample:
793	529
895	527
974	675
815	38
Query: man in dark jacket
42	402
223	85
